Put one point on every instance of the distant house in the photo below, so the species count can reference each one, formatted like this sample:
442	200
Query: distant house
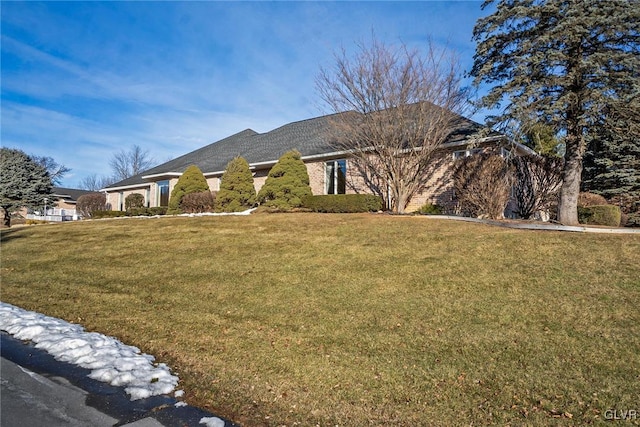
329	168
61	206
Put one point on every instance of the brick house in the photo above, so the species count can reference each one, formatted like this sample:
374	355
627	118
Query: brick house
61	206
330	170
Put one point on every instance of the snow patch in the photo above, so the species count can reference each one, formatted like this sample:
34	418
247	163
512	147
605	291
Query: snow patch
211	422
109	360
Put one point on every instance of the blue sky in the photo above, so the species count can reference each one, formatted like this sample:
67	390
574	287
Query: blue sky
84	80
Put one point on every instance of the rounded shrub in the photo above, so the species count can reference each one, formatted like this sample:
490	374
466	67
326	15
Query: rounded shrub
191	181
134	201
430	209
287	185
608	215
87	204
237	192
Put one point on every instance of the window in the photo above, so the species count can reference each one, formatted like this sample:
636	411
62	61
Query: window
336	177
465	153
163	193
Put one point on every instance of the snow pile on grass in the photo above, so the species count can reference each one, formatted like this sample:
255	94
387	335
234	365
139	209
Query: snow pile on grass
212	422
109	360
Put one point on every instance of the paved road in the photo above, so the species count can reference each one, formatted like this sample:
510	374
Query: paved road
29	399
38	391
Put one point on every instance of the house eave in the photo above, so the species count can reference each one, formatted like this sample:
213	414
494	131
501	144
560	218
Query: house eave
162	175
125	187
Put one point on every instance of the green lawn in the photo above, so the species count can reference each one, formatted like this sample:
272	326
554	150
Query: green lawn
353	320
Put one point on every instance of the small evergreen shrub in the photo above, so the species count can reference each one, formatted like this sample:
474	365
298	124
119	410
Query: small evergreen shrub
87	204
191	181
237	192
158	210
344	203
137	212
199	202
134	201
287	185
608	215
430	209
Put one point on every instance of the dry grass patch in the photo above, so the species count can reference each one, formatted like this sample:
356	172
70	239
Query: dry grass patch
307	319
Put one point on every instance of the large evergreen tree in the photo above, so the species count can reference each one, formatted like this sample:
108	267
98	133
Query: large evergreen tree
612	163
23	183
563	62
287	184
237	192
191	181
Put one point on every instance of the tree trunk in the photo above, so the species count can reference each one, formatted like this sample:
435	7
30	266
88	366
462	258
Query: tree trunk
401	196
401	203
570	190
6	222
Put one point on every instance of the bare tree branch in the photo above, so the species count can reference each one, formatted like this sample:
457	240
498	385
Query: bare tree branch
126	164
94	182
55	169
397	107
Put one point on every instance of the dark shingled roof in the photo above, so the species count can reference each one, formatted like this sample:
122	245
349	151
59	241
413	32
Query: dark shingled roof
309	137
70	194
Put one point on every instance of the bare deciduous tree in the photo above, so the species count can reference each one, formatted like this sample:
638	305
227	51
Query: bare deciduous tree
94	182
56	170
126	164
398	106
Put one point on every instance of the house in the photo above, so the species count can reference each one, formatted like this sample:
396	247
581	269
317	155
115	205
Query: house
61	206
329	168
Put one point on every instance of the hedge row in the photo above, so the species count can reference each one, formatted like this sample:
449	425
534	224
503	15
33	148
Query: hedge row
343	203
131	212
600	215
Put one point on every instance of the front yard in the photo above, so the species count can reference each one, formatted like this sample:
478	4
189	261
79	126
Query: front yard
352	320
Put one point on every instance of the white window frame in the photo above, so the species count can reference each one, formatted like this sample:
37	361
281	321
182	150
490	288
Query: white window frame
460	154
334	178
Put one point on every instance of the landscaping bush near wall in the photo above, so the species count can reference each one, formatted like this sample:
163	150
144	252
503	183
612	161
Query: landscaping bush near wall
134	201
107	214
591	199
600	215
201	201
482	184
430	209
344	203
89	204
162	210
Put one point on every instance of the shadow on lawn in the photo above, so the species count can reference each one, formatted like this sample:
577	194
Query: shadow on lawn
7	234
